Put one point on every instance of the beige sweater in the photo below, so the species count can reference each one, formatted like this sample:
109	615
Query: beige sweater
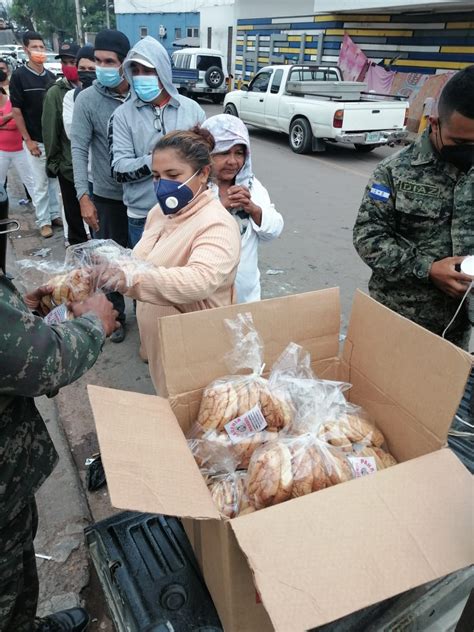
195	255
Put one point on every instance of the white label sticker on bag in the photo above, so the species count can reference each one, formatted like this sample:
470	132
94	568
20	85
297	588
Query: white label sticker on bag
246	425
363	465
57	315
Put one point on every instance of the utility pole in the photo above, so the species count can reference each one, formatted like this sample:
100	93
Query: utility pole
79	23
107	14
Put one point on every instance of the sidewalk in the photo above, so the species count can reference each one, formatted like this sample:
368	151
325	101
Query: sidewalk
65	507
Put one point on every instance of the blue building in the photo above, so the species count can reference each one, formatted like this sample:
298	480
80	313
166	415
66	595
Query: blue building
165	27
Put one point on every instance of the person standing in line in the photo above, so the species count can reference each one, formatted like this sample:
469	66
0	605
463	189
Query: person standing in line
12	152
57	144
245	198
6	66
85	63
191	245
28	86
154	109
104	210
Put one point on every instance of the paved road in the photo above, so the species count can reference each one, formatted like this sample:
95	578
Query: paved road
319	196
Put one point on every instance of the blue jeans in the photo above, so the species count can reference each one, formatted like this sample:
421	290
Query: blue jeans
135	230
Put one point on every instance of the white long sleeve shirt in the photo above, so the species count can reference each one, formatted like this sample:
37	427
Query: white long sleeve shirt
247	282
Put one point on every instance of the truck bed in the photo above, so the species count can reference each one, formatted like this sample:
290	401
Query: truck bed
350	90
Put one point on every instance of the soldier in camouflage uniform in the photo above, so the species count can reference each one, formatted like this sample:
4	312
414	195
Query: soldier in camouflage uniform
35	359
416	220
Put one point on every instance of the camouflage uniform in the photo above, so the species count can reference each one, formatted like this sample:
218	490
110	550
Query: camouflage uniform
416	210
35	359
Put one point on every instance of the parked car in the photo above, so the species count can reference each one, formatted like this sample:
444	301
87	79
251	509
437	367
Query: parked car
210	64
314	106
53	64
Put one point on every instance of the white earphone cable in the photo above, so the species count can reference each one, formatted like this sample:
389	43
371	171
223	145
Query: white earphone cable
471	285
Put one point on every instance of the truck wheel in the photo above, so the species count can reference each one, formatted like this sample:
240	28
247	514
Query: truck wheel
301	136
364	149
218	98
231	109
214	77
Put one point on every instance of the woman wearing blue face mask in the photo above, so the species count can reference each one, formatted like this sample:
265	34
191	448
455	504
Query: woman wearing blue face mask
192	244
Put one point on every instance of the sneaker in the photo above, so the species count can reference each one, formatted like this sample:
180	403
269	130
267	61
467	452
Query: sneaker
58	222
23	202
119	334
46	231
73	620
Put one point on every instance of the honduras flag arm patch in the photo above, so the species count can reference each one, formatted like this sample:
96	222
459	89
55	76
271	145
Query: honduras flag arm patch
379	192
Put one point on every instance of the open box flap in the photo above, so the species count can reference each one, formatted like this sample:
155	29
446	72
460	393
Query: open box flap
347	547
191	361
408	364
146	458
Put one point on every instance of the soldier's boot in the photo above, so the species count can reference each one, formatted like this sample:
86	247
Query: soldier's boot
73	620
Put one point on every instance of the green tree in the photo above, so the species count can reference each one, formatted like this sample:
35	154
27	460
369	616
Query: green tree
94	18
59	16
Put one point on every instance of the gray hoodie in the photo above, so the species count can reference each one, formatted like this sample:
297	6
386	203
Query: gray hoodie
92	110
133	128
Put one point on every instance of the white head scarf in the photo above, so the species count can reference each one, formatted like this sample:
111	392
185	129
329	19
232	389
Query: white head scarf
229	131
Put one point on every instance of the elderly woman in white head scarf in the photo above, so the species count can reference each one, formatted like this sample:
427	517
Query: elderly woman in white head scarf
244	197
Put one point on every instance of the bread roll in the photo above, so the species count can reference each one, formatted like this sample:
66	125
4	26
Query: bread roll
228	493
225	400
270	477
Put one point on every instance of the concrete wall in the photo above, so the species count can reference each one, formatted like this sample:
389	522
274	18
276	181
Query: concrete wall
257	9
333	6
429	43
131	24
174	6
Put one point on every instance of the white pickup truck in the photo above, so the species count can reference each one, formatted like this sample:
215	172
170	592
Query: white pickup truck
314	106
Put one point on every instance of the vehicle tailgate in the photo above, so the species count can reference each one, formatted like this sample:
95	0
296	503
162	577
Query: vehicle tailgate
376	115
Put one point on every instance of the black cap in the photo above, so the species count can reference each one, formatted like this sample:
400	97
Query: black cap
112	40
86	52
68	50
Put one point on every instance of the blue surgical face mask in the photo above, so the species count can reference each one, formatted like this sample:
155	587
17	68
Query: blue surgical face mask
108	77
147	87
173	195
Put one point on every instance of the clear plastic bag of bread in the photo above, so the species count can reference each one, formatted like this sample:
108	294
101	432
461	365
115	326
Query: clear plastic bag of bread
320	407
212	452
349	427
243	398
95	265
67	284
229	494
112	267
314	403
364	459
294	466
216	452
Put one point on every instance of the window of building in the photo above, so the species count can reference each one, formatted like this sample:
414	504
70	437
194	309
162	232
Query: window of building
177	34
192	32
143	31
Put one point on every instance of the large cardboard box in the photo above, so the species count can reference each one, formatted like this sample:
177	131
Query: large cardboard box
313	559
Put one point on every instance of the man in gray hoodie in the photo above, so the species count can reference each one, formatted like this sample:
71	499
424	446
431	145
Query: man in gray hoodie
153	109
103	210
